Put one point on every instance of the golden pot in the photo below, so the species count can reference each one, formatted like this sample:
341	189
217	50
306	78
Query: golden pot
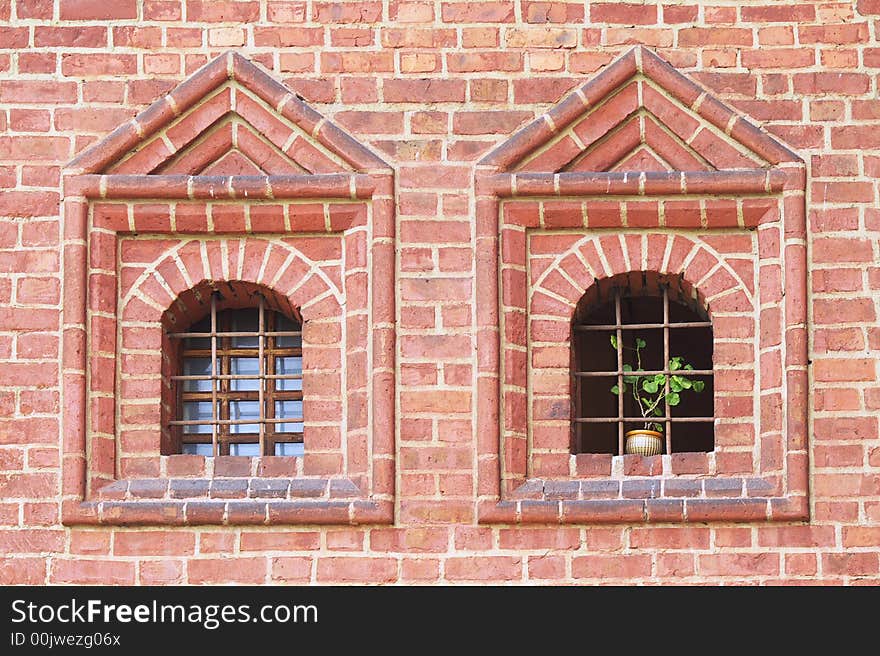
644	442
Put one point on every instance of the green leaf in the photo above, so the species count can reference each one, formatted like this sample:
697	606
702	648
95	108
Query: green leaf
631	379
675	364
650	386
673	398
699	385
627	367
660	379
675	385
614	341
658	412
615	390
640	343
689	367
684	382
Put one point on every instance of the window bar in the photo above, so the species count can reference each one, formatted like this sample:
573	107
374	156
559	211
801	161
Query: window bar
578	430
640	326
272	389
290	418
667	412
261	370
269	333
214	442
620	413
298	376
606	374
224	325
609	420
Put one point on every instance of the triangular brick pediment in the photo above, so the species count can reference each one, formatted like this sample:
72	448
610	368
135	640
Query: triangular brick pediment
639	114
228	118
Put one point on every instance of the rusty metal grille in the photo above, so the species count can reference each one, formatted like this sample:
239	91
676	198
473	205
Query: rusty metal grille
624	328
238	389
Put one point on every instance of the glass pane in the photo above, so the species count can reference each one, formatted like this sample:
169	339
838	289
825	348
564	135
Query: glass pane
292	410
197	411
244	410
244	367
198	449
287	366
244	449
283	324
203	326
197	367
245	321
289	449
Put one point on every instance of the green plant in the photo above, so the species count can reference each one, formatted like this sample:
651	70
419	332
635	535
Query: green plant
649	391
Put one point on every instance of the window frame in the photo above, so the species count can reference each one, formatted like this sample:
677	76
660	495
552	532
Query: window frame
580	324
222	436
352	201
766	201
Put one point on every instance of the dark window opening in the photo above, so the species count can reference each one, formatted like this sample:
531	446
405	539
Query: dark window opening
238	386
666	339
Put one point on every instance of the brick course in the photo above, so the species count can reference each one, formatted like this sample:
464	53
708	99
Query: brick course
432	89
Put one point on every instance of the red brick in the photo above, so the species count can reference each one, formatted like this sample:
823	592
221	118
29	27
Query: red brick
488	122
779	13
484	568
97	10
154	543
423	90
212	11
80	65
249	571
758	564
83	571
22	571
162	572
356	570
26	541
851	564
611	567
700	36
477	12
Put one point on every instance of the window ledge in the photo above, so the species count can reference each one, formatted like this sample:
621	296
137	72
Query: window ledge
648	489
228	501
652	509
174	489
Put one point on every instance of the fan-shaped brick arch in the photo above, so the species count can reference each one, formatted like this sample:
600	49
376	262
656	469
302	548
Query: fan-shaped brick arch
168	283
708	277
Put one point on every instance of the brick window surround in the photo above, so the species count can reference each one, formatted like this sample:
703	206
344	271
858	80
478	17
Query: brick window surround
173	203
641	170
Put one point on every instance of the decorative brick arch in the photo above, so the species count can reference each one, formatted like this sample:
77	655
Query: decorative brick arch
180	270
228	177
595	258
641	169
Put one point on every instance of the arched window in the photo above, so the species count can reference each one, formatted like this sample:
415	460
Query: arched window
237	389
641	361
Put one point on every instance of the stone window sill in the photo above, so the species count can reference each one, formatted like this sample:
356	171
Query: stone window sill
677	488
228	501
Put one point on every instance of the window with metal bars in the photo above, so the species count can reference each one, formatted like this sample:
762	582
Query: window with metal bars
640	329
238	387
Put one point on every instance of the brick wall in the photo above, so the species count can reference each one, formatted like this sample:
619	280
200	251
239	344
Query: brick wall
432	87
